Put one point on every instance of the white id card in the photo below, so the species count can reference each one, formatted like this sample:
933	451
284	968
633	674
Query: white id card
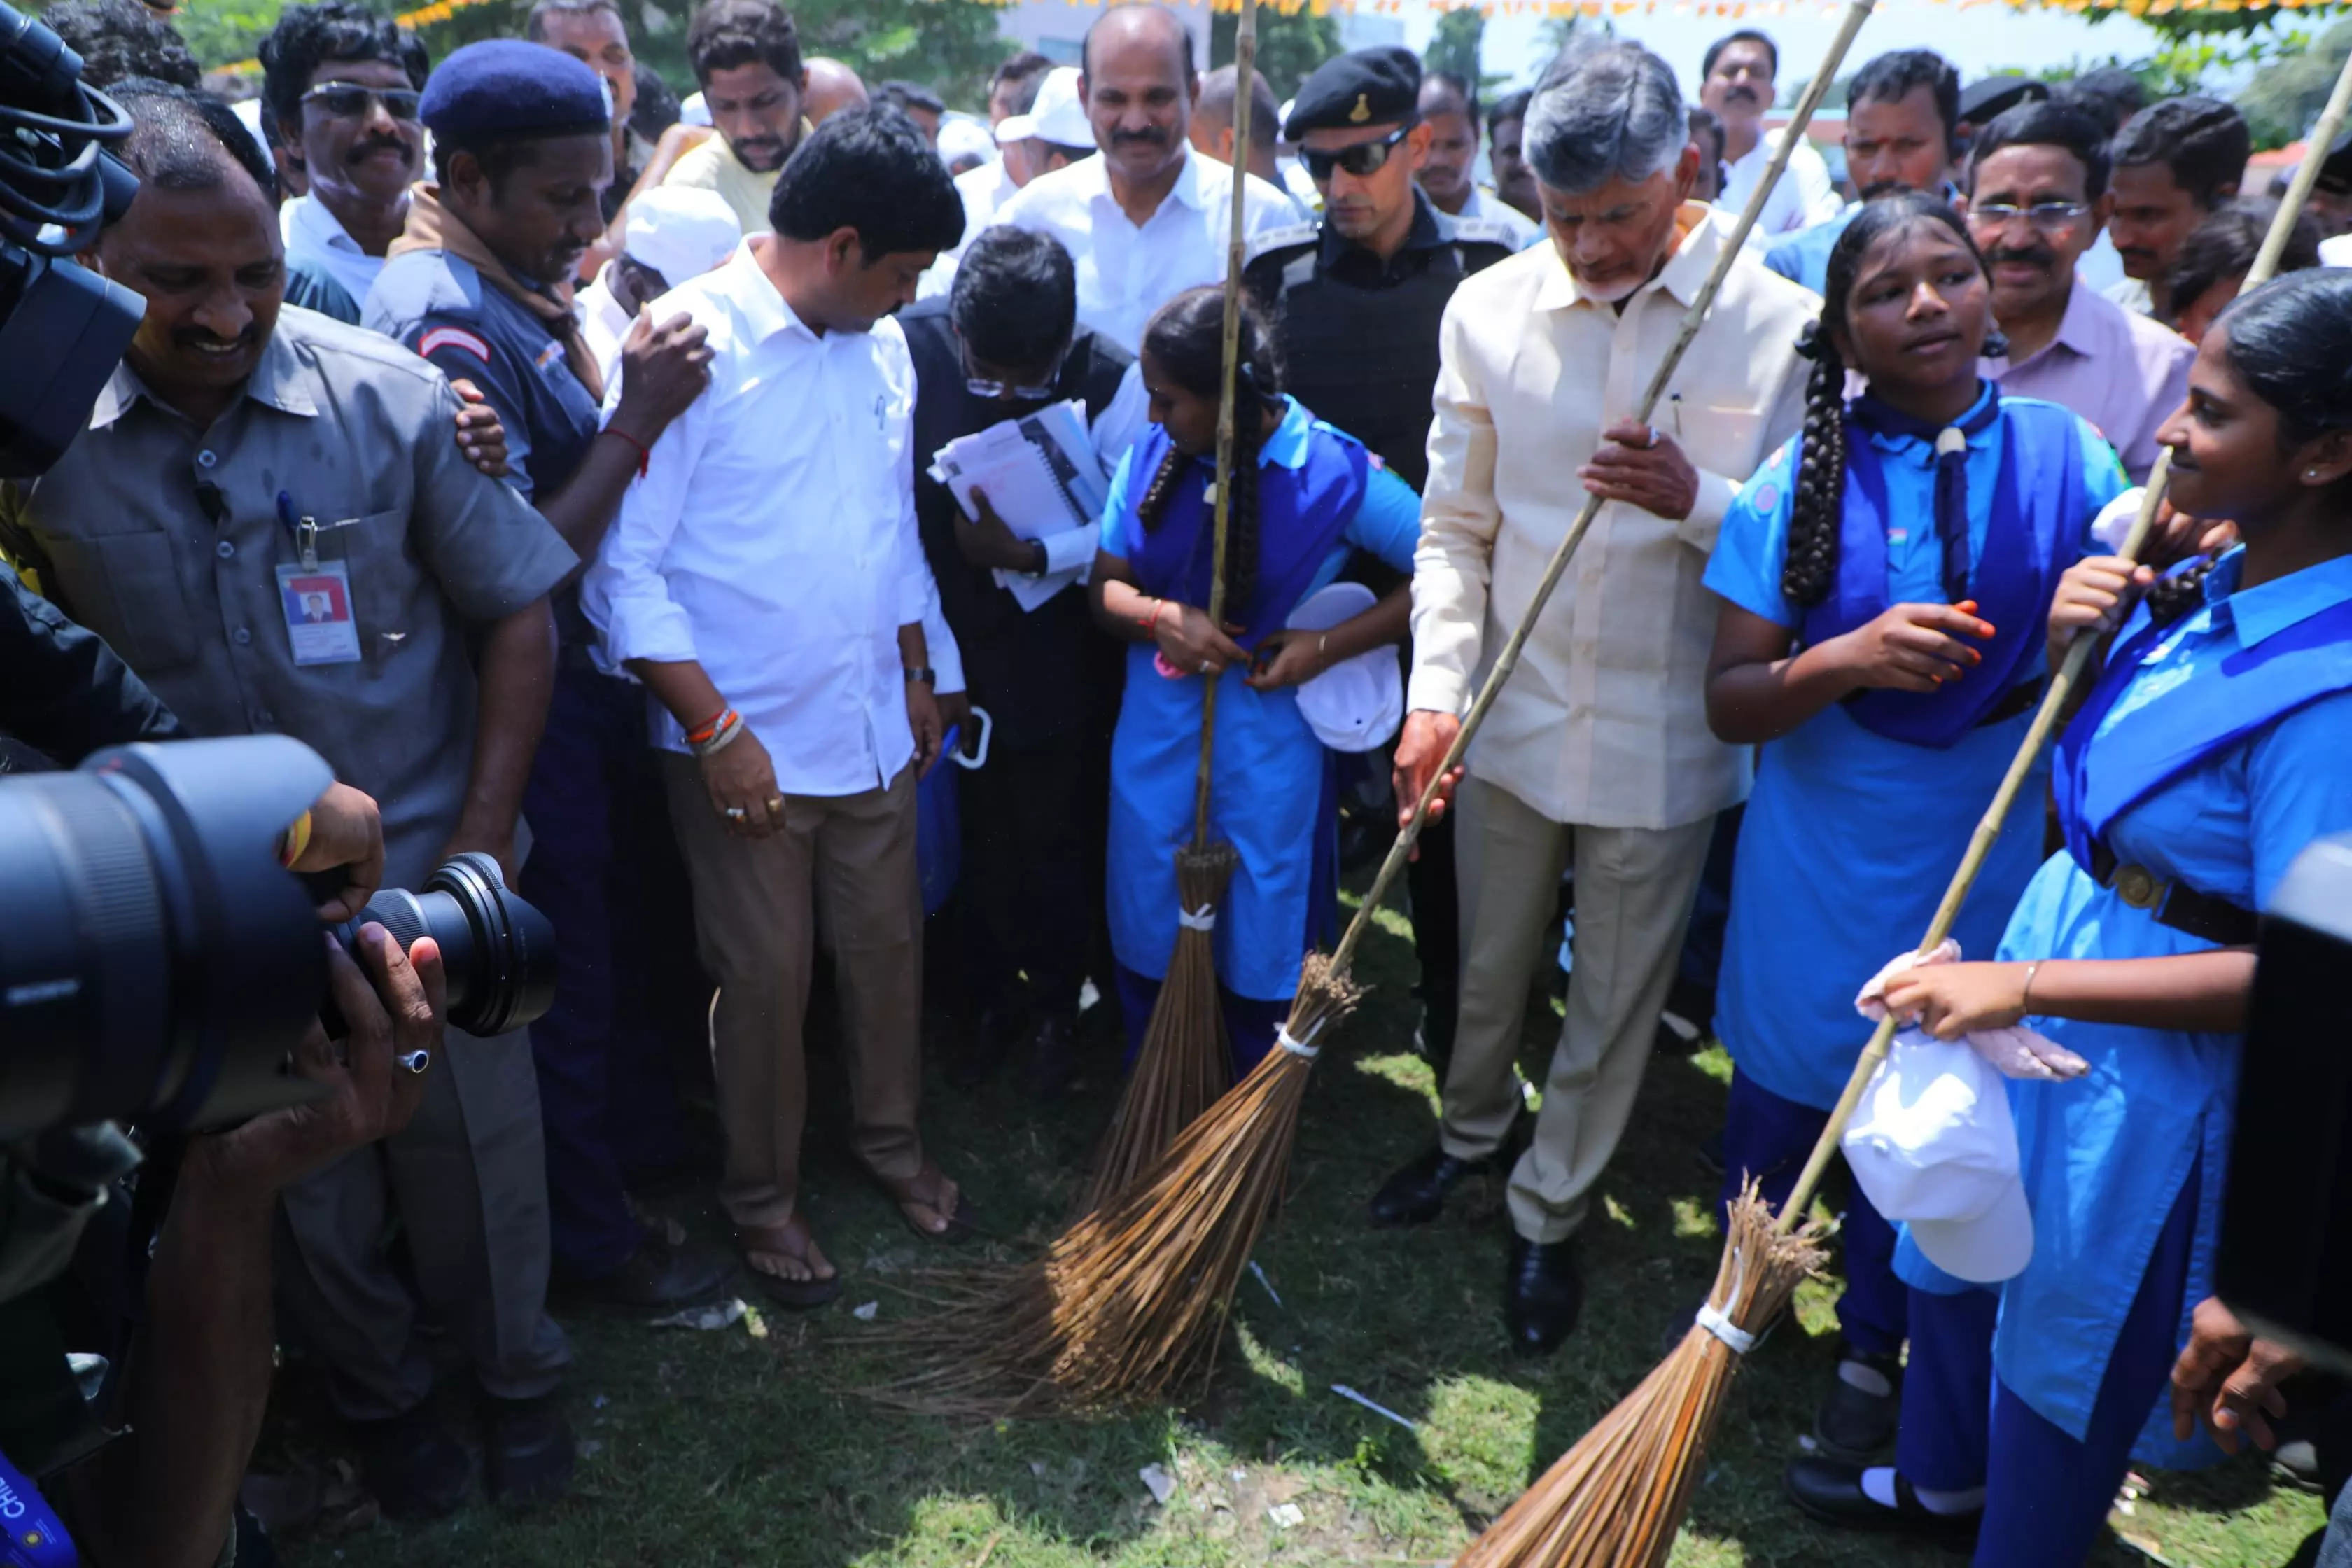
316	601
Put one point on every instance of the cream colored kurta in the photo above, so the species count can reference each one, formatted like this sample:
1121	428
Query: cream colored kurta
1605	722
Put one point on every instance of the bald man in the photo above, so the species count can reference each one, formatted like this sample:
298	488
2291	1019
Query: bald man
832	87
1213	121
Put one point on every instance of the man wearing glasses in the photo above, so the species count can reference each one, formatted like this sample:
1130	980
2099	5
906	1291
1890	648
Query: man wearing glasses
1003	344
2037	199
1356	301
341	83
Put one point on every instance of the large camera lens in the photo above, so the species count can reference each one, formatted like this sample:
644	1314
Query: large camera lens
499	951
155	963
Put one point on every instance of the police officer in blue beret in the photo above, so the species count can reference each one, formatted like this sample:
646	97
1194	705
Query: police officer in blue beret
1356	298
480	283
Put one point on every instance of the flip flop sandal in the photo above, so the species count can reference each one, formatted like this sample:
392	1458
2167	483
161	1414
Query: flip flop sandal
794	1295
960	1227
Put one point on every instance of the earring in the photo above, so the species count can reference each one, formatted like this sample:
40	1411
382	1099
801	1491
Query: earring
2311	474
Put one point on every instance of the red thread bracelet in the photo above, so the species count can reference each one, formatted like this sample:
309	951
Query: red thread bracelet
645	453
710	730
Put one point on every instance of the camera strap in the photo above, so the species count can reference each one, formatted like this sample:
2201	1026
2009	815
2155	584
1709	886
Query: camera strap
30	1533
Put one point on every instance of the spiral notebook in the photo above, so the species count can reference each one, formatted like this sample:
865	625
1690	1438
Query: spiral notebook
1042	476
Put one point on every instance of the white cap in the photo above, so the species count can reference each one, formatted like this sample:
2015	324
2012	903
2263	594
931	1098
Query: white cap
960	136
1932	1143
1056	116
1357	704
680	231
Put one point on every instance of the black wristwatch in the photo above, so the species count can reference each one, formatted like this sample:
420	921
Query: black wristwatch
916	672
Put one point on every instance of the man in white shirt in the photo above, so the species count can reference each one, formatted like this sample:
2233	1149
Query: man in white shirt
1738	75
1597	751
1149	218
767	583
675	233
342	85
1047	132
1449	107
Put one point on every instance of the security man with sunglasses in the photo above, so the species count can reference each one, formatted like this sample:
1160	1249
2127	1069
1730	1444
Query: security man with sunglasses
1355	299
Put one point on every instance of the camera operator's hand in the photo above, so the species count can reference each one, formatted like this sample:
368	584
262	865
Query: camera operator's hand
346	835
395	1008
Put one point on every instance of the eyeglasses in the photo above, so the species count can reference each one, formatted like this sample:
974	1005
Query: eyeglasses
1363	158
2050	217
995	389
350	101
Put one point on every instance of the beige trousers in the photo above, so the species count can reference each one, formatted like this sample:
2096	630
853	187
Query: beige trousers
1633	893
755	903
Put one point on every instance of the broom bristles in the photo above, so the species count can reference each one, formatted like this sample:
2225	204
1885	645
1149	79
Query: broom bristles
1130	1301
1186	1060
1617	1499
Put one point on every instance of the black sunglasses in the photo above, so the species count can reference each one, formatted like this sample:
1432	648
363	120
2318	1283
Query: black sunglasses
1363	158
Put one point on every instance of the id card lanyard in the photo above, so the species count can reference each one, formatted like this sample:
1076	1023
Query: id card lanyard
30	1534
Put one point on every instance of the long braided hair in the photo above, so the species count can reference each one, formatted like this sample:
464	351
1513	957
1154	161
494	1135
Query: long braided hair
1186	340
1817	513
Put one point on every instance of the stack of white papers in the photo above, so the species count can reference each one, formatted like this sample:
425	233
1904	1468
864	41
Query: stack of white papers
1041	476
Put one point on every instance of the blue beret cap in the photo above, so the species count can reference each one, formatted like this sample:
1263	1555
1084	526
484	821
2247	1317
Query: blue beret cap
505	87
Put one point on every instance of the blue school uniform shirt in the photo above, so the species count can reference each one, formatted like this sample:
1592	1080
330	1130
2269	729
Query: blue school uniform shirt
1804	257
1851	835
1266	791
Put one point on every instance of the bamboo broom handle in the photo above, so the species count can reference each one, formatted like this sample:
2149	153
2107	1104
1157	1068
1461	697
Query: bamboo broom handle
2061	686
1856	13
1244	63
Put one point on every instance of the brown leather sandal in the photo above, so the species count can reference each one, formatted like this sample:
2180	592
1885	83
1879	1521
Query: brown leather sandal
907	1197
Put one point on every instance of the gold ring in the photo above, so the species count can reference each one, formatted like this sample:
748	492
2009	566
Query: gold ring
775	806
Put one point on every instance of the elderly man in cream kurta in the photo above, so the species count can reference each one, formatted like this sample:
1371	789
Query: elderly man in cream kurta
1598	747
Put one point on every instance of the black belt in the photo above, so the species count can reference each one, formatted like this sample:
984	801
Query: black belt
2020	699
2176	904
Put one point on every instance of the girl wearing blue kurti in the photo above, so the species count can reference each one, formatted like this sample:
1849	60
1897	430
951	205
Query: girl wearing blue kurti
1884	578
2211	752
1304	496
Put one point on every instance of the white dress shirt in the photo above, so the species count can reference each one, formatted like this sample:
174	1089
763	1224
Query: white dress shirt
1605	722
316	237
1127	271
983	191
603	322
772	538
1805	195
1486	207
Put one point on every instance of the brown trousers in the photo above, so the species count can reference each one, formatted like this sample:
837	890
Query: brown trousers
755	903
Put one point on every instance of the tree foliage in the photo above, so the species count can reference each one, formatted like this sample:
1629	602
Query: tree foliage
1290	44
1454	49
2286	95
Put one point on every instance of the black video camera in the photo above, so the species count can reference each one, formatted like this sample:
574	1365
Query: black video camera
2284	1264
158	966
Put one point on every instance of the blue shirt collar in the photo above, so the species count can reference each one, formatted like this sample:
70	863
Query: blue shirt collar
1287	445
2266	611
1916	446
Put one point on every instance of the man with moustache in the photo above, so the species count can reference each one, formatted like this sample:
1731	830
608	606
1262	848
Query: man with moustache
1151	218
478	285
1514	183
1598	752
1902	134
341	82
1355	300
1736	79
2037	198
592	32
1449	107
2172	167
747	56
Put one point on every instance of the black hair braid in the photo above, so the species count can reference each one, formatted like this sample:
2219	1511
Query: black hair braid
1154	504
1817	506
1241	517
2172	597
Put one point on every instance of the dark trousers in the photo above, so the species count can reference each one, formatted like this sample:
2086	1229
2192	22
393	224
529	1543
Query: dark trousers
1769	1137
1437	916
1250	1025
600	846
1030	880
2047	1492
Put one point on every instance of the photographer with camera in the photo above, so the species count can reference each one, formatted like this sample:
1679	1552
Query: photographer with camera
243	464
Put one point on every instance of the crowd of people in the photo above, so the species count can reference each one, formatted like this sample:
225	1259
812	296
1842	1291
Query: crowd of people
579	441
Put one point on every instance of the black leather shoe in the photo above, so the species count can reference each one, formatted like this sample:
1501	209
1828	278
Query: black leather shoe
528	1451
413	1465
1831	1491
1853	1424
1416	1194
661	1277
1542	1295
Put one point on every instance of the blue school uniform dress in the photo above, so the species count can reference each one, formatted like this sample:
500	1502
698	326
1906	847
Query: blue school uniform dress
1320	496
2212	752
1860	816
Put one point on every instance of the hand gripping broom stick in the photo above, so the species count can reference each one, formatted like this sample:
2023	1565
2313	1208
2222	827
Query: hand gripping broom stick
1185	1062
1616	1499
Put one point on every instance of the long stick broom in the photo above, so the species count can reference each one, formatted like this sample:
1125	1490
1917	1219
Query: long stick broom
1617	1499
1129	1302
1186	1061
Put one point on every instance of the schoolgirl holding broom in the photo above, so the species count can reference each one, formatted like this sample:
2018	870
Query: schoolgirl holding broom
2211	751
1885	580
1305	495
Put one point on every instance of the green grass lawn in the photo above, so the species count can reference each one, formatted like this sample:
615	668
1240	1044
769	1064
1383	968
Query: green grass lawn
751	1446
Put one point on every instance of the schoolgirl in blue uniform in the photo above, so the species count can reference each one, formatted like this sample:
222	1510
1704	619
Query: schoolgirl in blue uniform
2212	751
1304	496
1884	581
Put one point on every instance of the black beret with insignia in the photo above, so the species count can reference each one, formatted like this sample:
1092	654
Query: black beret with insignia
1368	87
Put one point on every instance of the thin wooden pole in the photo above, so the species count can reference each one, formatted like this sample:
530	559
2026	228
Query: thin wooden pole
1244	63
1856	13
2062	684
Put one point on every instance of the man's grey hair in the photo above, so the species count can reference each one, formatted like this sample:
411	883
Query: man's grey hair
1601	113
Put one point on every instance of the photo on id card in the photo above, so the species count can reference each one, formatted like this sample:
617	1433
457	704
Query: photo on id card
317	602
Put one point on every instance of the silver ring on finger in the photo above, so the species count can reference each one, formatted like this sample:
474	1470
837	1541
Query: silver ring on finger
737	813
415	1061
